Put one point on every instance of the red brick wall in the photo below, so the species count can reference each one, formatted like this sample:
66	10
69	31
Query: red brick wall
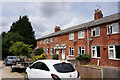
103	40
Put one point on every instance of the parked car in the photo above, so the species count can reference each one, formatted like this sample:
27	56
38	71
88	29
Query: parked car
51	69
20	66
10	60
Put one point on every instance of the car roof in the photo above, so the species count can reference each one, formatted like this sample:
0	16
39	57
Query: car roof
52	62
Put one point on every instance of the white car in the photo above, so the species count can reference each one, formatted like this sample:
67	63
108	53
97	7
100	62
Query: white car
51	70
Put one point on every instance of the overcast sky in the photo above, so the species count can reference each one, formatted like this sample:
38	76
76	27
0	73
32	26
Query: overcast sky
44	16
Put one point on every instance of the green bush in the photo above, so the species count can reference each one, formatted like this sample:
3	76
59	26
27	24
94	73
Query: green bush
39	51
55	56
83	57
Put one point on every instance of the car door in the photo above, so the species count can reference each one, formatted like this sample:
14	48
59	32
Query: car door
39	70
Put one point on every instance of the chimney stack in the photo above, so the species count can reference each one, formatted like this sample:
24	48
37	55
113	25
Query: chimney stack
98	14
57	28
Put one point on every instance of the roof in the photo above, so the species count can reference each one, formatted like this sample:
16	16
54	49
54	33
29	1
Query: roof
97	22
52	62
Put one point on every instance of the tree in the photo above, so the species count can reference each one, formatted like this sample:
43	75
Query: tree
19	48
24	28
7	41
39	51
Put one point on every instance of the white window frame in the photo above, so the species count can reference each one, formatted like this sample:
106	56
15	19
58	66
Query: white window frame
112	26
44	41
114	50
52	39
52	49
44	50
48	40
47	51
70	50
95	52
79	52
71	36
81	34
40	41
94	29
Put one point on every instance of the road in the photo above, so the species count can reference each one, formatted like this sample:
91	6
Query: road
6	73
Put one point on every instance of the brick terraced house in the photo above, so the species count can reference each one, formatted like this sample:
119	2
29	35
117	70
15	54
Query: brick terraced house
99	38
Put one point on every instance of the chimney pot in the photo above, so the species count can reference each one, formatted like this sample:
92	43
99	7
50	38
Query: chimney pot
57	28
98	14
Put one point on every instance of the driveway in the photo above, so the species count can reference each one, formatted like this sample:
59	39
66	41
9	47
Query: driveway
6	73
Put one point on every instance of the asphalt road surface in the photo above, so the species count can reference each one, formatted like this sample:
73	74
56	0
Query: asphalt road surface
5	72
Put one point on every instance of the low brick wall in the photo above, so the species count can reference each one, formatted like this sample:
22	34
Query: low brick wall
88	72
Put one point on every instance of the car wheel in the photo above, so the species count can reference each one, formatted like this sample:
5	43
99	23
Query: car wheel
26	76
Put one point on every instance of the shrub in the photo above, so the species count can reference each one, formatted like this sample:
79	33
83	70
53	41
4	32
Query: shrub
39	51
83	57
38	57
55	56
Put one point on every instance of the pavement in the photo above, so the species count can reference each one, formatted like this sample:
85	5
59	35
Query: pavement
5	72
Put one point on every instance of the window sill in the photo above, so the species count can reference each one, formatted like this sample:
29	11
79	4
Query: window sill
95	36
96	57
80	38
71	39
113	59
70	55
113	33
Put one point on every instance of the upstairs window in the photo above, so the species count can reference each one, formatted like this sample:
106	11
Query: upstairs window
52	39
71	51
95	31
48	40
81	34
113	28
40	41
71	36
81	50
114	51
43	41
96	52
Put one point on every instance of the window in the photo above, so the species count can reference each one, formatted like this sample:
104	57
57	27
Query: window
48	40
43	41
95	31
113	28
114	51
96	52
81	34
44	50
71	51
81	50
40	65
71	36
52	50
64	67
47	50
40	41
52	39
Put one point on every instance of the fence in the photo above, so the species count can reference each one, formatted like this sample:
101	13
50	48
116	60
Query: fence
101	73
110	73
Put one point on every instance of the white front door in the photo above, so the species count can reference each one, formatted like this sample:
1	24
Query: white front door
63	54
57	51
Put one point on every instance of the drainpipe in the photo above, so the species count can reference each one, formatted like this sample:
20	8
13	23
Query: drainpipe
88	39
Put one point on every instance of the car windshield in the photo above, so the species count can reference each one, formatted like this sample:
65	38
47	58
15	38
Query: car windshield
64	67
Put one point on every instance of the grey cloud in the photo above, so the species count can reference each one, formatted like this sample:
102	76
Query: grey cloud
51	9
